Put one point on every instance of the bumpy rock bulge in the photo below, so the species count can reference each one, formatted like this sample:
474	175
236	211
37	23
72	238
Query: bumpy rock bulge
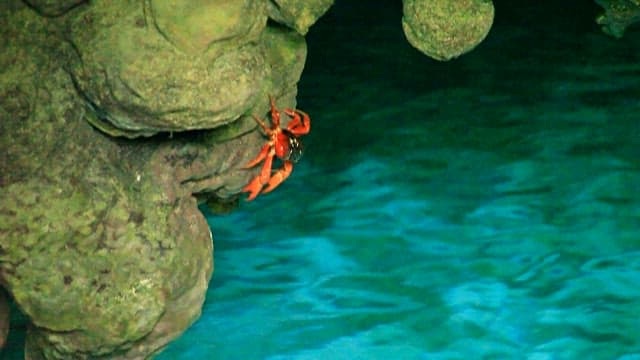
116	120
446	29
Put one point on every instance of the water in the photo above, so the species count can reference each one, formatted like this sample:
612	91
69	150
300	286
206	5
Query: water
485	208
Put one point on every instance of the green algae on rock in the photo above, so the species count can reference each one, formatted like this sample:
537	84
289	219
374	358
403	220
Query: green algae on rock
299	15
173	67
618	16
102	244
141	75
446	29
95	250
53	8
208	26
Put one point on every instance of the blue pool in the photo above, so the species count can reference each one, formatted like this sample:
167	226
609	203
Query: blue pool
487	208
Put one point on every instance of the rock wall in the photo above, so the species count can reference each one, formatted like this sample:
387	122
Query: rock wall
116	120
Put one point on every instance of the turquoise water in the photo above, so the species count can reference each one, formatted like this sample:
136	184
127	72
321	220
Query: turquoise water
487	208
497	240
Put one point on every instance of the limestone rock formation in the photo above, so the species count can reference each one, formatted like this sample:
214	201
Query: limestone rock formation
158	66
446	29
299	15
117	118
53	8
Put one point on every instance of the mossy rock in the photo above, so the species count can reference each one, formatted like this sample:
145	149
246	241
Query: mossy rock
102	244
446	29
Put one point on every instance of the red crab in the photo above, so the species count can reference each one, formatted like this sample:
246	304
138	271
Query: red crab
284	144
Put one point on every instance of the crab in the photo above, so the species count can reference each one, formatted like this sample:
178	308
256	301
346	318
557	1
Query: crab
284	144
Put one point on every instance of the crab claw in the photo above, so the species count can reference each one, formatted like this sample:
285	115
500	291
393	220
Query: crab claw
279	176
298	125
253	188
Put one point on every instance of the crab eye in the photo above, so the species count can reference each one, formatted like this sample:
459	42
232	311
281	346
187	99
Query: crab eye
295	149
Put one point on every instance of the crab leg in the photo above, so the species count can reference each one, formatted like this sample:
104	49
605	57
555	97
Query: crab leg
263	153
255	186
265	173
275	114
279	176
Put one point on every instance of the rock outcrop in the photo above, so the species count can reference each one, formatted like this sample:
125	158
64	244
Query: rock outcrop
446	29
618	15
117	118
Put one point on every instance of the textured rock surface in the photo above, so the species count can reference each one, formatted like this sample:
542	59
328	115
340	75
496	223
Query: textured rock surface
299	15
103	253
145	72
53	7
445	29
101	241
4	318
618	16
206	26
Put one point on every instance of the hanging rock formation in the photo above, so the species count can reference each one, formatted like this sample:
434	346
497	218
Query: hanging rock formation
446	29
618	16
